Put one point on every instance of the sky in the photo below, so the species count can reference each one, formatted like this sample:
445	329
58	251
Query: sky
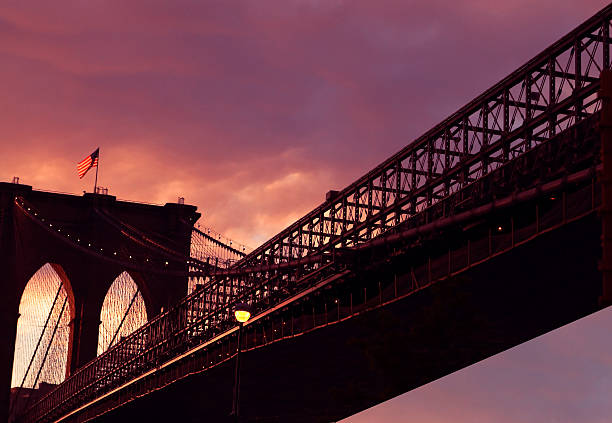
564	376
252	110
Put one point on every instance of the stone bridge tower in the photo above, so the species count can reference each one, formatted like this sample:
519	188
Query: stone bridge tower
150	242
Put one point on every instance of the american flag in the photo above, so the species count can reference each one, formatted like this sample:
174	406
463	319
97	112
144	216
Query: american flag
87	163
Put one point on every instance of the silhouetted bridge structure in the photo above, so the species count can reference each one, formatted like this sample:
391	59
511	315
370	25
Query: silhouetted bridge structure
490	229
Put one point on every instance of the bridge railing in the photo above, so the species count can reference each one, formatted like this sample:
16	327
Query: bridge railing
192	321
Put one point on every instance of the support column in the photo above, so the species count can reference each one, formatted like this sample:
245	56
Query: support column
11	284
605	126
85	328
90	281
8	334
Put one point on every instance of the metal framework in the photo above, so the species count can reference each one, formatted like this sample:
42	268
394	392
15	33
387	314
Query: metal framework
210	246
549	94
205	336
437	176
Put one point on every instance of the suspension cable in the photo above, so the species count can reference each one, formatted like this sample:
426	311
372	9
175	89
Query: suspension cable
123	318
203	267
145	241
42	365
220	244
40	338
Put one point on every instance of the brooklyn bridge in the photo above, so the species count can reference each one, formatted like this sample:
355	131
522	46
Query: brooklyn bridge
490	229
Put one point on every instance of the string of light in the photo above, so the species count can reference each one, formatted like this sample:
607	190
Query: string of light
205	255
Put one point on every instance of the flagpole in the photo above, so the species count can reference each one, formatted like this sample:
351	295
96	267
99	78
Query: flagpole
96	181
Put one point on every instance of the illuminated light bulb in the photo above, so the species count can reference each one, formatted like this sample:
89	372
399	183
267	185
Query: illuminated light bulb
242	312
115	253
499	229
242	316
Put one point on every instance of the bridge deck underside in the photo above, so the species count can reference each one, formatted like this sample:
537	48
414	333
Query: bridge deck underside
338	370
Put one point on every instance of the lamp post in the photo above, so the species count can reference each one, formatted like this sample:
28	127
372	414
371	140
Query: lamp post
242	313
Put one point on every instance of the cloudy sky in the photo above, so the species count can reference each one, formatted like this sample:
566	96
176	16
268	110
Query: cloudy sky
252	110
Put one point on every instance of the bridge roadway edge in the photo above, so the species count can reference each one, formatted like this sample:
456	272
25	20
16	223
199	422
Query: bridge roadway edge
384	352
605	128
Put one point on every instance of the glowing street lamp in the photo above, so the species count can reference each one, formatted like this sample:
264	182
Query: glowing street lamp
242	313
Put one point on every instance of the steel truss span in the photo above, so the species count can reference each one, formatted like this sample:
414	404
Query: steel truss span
551	93
454	167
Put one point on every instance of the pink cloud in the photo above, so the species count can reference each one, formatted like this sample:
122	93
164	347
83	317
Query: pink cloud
222	101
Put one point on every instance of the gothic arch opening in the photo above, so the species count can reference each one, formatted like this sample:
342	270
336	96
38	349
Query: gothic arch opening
123	311
41	353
